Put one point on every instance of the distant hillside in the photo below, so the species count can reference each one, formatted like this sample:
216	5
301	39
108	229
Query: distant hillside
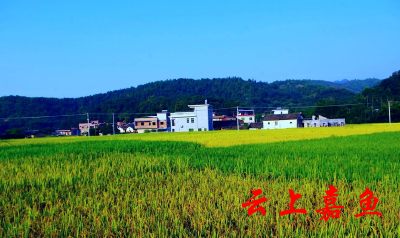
170	94
355	86
173	95
371	105
341	81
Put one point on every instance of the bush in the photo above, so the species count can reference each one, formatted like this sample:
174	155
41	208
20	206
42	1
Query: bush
147	131
191	129
153	130
199	129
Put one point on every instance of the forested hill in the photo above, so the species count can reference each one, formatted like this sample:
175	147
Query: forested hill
176	94
355	86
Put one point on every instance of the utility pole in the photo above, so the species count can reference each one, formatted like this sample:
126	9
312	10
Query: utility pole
113	126
372	105
88	125
390	120
237	117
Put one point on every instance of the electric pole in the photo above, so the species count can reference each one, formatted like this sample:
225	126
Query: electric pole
88	125
390	120
237	117
113	126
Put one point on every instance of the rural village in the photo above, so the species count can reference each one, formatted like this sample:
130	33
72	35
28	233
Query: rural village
203	118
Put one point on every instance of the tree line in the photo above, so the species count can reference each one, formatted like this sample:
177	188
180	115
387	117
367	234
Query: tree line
174	95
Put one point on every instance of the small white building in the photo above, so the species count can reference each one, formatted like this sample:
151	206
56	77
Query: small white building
282	121
201	119
126	129
247	116
321	121
281	111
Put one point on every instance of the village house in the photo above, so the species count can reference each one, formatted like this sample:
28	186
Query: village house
127	128
282	121
62	132
223	118
159	122
83	127
201	119
248	116
321	121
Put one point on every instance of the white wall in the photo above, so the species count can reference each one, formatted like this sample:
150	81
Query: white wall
247	118
181	124
325	122
282	124
281	111
202	119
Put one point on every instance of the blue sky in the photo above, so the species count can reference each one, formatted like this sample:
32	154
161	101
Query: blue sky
79	48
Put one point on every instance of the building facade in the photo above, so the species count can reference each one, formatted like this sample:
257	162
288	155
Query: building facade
282	121
201	119
247	116
159	122
321	121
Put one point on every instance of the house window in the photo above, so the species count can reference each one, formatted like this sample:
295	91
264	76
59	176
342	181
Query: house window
250	118
154	123
268	123
187	120
276	123
192	120
290	122
142	123
162	123
173	122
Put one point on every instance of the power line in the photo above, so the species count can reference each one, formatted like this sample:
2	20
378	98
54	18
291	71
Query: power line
37	117
152	113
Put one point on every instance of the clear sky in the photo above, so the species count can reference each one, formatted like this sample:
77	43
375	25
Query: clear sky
79	48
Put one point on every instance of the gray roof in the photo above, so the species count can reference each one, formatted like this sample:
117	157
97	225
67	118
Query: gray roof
277	117
258	125
32	132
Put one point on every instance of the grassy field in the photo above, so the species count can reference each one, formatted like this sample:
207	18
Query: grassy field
194	184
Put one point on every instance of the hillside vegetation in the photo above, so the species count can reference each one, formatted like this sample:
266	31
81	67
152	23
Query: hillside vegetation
355	86
175	95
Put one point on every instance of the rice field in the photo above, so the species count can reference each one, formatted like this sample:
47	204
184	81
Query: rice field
194	184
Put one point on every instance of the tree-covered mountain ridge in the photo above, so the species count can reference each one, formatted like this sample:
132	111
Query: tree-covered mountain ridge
174	95
171	94
355	86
